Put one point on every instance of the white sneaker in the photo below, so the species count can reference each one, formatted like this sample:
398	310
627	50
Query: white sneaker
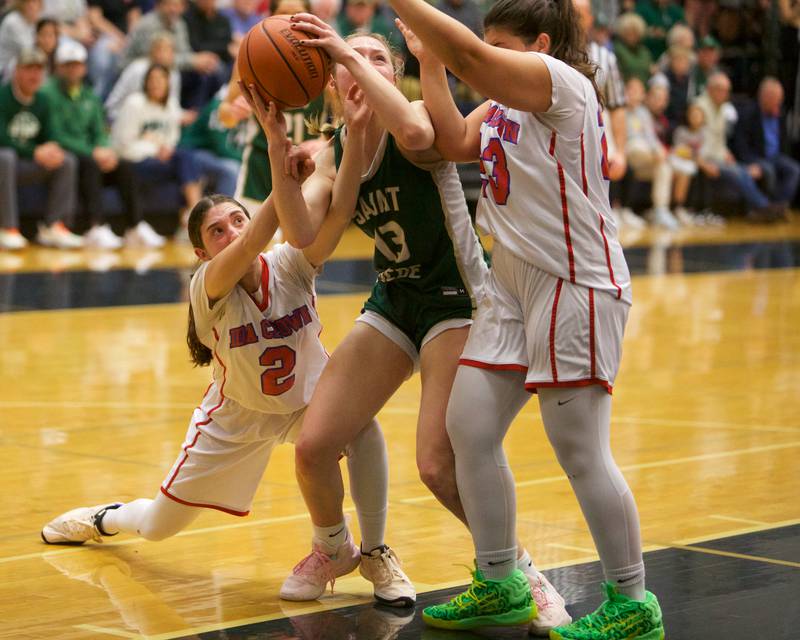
312	574
662	217
58	236
684	217
143	235
392	587
78	526
630	219
550	605
12	239
100	236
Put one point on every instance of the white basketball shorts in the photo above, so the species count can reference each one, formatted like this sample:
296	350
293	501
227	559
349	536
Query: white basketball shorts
220	467
559	334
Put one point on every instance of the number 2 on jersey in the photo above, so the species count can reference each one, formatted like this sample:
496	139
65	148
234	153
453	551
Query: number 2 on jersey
278	378
500	180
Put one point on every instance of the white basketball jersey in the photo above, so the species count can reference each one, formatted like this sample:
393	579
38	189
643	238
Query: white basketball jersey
545	185
267	352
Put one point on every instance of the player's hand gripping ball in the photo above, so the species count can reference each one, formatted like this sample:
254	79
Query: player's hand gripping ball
283	71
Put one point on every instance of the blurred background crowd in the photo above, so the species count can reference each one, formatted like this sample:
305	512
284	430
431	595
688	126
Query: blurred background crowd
109	109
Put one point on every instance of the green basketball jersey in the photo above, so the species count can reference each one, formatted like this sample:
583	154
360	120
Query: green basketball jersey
257	183
424	238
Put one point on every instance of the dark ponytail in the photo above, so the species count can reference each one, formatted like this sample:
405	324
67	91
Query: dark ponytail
527	19
199	353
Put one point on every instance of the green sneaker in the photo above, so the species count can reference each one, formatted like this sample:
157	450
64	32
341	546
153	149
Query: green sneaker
618	618
487	603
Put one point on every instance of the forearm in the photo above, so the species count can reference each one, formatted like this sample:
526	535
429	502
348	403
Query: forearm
344	196
448	123
619	128
298	224
390	105
449	40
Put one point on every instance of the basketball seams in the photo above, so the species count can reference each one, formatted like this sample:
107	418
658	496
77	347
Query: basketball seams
253	71
286	62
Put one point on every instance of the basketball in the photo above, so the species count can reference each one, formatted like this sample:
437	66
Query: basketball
282	70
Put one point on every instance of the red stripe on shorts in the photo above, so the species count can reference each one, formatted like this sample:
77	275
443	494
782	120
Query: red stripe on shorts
591	333
553	314
185	458
489	365
608	257
200	504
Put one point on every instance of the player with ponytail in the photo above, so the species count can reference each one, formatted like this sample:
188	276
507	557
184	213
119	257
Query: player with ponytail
555	306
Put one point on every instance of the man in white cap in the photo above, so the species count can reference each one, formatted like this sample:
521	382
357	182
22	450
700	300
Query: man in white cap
79	125
29	156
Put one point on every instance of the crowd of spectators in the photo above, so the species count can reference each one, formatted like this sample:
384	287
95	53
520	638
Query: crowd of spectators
111	93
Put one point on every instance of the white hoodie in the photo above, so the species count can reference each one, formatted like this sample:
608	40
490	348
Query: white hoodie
143	127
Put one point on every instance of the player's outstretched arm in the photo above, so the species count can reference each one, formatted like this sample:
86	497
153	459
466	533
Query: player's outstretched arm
410	126
516	79
345	188
290	168
457	137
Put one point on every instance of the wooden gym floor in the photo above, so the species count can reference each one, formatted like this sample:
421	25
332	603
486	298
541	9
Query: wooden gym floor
97	392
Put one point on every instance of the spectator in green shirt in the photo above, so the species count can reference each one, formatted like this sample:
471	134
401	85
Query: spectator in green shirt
28	156
78	124
635	60
659	16
217	150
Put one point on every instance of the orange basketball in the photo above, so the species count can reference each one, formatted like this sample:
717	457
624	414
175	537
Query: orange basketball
282	70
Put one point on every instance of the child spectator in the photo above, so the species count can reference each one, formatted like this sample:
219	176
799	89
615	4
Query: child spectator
146	133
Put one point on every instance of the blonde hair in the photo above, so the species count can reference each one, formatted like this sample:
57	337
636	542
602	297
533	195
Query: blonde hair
631	22
331	118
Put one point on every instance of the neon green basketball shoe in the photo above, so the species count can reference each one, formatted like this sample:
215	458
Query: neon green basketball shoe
618	618
487	603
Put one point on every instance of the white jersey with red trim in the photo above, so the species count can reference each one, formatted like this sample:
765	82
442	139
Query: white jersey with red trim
545	185
267	352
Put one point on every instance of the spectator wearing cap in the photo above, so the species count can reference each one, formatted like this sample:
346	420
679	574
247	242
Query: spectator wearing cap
28	156
18	32
706	63
659	16
78	125
760	144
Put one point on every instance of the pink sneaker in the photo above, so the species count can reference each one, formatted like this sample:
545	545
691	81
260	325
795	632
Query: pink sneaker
313	573
550	605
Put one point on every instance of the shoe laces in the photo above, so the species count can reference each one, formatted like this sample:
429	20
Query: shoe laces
75	529
316	565
389	566
539	593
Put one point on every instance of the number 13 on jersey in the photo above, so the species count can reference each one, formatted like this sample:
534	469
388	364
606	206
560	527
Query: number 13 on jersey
499	181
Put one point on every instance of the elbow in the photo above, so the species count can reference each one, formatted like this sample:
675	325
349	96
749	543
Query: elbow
299	240
416	137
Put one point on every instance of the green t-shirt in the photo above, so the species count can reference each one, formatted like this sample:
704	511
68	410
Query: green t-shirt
208	133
